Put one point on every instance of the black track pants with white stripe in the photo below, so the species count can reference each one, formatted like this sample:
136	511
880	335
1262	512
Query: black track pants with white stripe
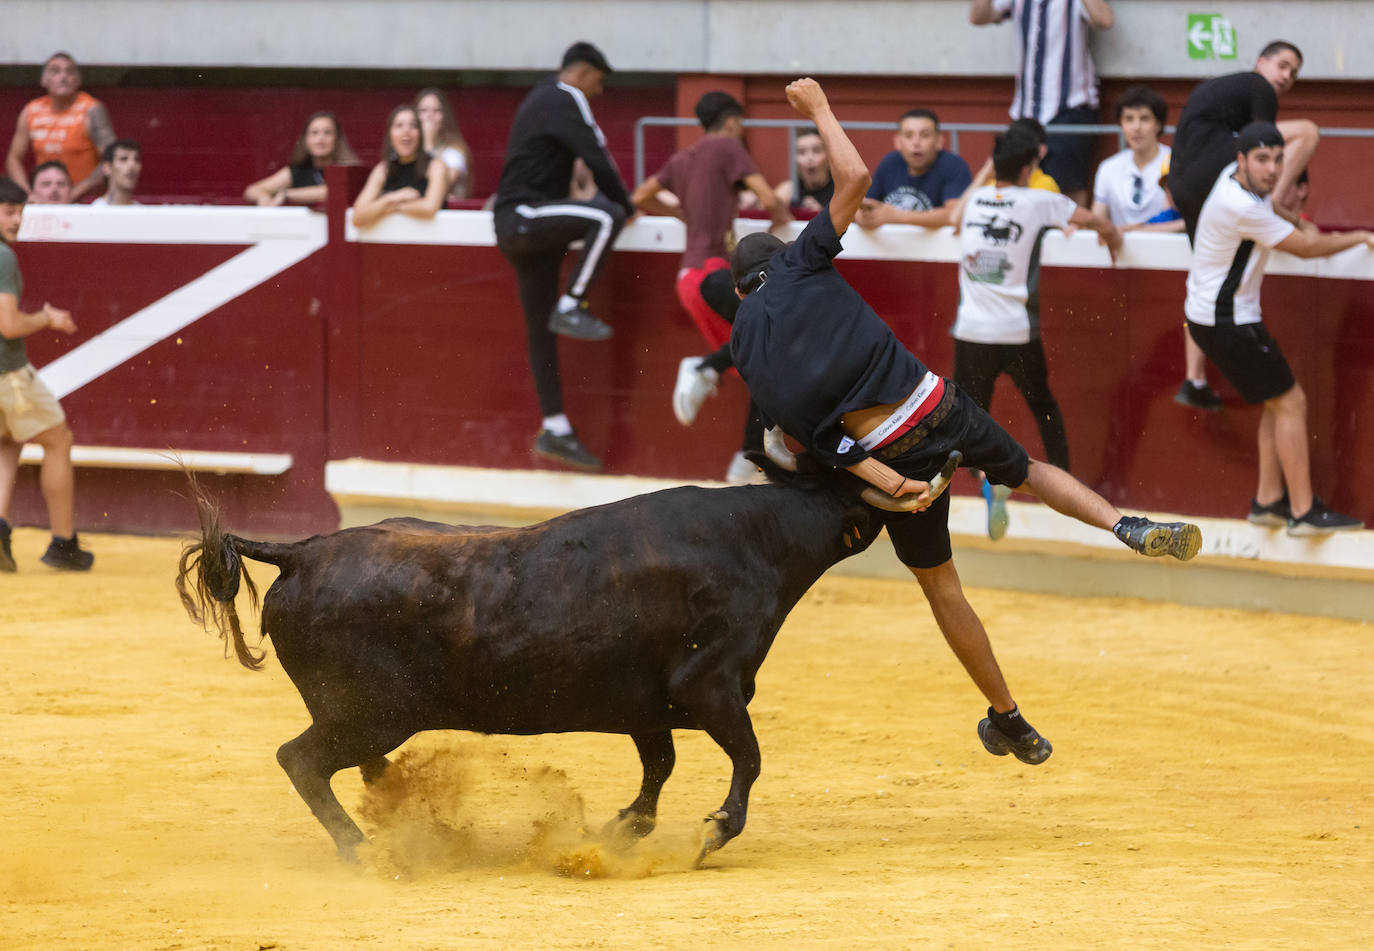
534	237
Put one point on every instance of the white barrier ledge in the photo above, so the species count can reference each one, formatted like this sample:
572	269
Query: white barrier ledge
197	460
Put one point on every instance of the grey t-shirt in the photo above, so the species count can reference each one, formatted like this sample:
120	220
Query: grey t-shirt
13	356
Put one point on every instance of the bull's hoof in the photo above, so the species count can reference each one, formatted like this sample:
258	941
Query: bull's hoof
714	834
627	828
374	769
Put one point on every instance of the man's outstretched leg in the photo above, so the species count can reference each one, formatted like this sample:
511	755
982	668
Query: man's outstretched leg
1003	731
1066	495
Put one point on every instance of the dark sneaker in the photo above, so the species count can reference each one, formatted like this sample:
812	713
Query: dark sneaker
1274	515
1029	747
577	322
1153	539
996	497
1198	397
66	554
6	556
1320	520
566	450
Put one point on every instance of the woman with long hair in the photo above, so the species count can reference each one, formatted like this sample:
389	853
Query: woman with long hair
443	139
407	179
301	181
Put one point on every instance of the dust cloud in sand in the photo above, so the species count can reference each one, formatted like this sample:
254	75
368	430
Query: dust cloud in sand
1209	789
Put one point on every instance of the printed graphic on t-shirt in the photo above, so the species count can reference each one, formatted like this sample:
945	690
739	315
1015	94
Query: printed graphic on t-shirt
987	267
907	198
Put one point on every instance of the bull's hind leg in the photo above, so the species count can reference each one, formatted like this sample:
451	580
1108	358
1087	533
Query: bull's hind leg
719	709
637	820
315	756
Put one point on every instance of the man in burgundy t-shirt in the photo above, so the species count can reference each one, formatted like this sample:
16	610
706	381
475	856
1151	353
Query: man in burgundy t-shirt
700	185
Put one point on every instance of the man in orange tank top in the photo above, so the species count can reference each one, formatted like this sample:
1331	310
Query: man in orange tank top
66	125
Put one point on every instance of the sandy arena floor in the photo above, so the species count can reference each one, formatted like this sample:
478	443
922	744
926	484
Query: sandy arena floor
1210	788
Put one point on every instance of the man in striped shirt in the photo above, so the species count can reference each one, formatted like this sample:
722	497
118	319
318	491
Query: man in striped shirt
1056	82
1238	226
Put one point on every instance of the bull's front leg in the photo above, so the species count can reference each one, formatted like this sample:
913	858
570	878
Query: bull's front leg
657	756
725	718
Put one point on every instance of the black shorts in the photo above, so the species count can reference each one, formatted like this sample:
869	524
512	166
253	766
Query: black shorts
1248	356
921	539
1069	160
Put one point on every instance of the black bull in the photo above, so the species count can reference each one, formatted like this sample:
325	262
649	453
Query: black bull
639	617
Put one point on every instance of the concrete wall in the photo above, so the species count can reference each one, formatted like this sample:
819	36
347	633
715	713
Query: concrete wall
824	37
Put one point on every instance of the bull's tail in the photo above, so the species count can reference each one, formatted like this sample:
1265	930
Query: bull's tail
209	574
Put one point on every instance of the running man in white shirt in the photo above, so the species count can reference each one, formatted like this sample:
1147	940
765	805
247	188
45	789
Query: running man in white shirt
997	329
1237	227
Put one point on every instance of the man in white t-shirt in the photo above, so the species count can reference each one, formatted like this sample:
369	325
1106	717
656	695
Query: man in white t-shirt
997	329
1129	191
1237	227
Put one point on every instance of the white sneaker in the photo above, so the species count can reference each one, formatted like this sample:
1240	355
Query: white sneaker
743	472
694	384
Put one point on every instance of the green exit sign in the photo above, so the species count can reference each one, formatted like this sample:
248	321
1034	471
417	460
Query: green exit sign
1210	36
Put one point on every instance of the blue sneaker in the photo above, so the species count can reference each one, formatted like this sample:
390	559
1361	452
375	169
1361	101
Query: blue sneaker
996	497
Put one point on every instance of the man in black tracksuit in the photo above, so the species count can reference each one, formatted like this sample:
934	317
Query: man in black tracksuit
535	222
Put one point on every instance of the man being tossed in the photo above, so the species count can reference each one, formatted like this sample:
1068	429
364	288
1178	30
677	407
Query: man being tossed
823	366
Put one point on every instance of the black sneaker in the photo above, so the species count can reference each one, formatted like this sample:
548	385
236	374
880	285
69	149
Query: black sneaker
6	555
577	322
1320	520
1198	397
566	450
1029	747
1153	539
66	554
1275	515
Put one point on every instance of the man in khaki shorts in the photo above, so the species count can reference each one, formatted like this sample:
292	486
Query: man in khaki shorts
28	410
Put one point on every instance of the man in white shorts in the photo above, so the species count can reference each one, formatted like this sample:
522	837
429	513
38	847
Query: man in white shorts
1237	227
28	410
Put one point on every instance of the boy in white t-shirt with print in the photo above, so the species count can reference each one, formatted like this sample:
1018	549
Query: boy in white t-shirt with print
1237	227
998	325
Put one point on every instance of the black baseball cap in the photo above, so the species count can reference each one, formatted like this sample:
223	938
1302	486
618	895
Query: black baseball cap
584	52
1258	135
750	260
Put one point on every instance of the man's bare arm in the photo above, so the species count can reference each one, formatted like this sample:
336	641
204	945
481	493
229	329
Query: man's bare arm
847	168
15	324
981	13
1304	244
886	478
1099	14
646	199
768	199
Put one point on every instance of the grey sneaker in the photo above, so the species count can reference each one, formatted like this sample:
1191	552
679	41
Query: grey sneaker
6	555
1029	747
66	554
1320	520
1153	539
1198	397
1275	515
577	322
566	450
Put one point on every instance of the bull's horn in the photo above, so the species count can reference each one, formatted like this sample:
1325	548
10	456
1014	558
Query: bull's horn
907	503
775	445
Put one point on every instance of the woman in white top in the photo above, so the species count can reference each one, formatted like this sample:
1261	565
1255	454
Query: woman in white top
443	139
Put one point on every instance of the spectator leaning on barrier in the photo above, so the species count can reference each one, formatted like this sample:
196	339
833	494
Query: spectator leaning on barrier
918	182
535	221
301	181
67	124
121	164
705	180
28	410
1056	81
444	140
997	329
51	184
813	187
408	180
1038	180
1238	226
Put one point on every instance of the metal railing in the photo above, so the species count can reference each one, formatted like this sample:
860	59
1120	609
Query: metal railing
793	126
